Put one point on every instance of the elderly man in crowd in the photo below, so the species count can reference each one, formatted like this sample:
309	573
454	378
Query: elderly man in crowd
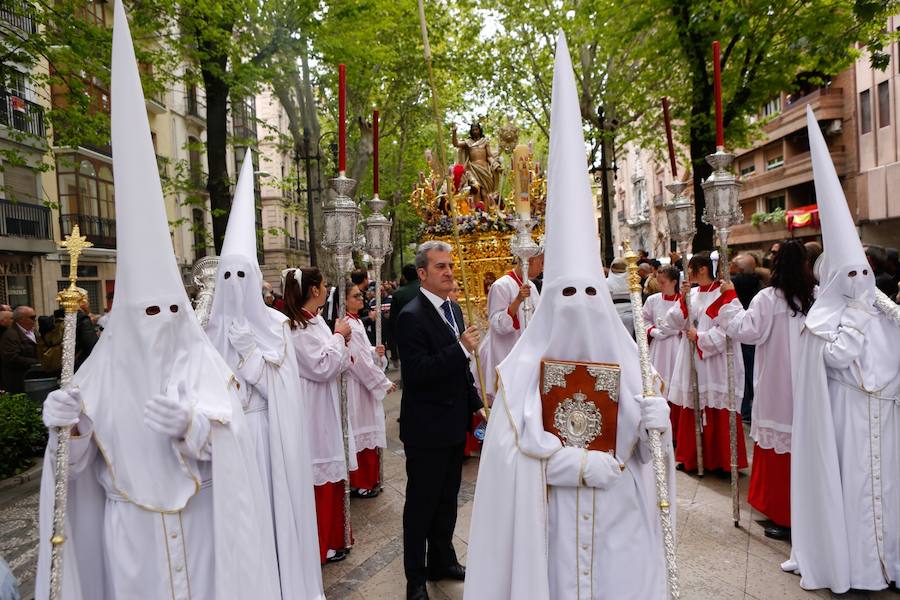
18	349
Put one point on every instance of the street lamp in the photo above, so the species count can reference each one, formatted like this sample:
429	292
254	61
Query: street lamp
723	210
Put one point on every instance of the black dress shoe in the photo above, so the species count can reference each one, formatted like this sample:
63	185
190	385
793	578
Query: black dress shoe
776	532
416	591
456	572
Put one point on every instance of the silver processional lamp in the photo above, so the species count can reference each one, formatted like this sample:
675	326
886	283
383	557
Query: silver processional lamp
723	210
680	214
378	245
340	238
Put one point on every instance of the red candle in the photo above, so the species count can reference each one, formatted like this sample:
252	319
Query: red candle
375	152
665	104
717	82
342	118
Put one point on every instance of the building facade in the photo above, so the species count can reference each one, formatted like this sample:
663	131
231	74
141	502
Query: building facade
284	212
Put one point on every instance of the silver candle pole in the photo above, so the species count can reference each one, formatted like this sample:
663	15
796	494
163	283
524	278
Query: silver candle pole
723	210
680	213
378	245
524	247
341	220
203	273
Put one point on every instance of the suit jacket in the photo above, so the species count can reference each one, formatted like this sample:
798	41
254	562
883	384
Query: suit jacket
439	394
399	300
18	354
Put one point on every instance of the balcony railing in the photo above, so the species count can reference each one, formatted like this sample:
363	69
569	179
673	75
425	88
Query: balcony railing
19	219
20	114
101	232
18	14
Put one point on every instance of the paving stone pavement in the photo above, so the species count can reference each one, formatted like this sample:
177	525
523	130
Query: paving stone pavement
716	560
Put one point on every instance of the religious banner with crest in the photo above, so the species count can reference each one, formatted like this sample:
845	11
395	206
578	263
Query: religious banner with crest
580	403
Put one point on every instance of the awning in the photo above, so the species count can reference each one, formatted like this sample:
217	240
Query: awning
803	216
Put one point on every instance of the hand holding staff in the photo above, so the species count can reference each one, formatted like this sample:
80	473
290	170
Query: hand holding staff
70	299
659	463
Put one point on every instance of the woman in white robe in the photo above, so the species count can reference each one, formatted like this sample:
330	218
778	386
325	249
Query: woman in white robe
708	342
772	323
321	357
664	340
367	386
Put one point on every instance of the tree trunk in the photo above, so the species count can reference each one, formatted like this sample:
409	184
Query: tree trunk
217	184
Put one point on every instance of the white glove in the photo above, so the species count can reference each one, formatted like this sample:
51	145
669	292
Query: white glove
601	469
654	413
168	415
241	337
62	408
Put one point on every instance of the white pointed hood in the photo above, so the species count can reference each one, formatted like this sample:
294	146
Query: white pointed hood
576	319
238	292
153	343
843	250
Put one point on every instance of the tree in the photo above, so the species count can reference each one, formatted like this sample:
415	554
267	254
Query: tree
767	48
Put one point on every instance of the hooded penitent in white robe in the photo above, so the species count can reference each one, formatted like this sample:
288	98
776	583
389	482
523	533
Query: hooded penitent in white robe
367	385
149	516
321	357
664	340
504	330
266	368
539	529
845	469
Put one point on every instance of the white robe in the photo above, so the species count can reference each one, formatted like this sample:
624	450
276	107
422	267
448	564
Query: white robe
770	325
321	357
366	387
664	340
503	331
269	396
845	467
117	549
712	378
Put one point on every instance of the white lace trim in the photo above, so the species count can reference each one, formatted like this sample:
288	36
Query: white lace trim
771	439
329	472
370	440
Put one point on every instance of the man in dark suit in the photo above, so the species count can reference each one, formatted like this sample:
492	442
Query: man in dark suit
18	349
439	398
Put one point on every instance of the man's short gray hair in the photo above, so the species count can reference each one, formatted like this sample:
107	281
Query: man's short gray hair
22	311
426	247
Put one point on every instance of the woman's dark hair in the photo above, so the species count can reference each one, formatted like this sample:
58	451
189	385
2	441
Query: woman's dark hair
296	295
672	273
792	275
701	259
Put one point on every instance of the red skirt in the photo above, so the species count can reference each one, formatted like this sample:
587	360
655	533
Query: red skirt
716	444
366	476
330	517
472	443
674	414
770	485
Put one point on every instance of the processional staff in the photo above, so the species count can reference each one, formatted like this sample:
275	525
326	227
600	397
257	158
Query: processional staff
70	299
442	175
656	449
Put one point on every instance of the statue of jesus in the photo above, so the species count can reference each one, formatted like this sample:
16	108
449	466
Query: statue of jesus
482	166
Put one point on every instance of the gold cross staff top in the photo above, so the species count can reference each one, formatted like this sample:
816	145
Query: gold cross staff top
70	299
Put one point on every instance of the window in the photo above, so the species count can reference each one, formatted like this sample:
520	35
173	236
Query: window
195	166
773	203
772	107
21	184
95	302
884	104
774	162
748	169
865	111
87	198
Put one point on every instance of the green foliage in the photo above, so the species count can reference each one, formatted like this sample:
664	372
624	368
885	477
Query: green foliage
776	217
22	434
